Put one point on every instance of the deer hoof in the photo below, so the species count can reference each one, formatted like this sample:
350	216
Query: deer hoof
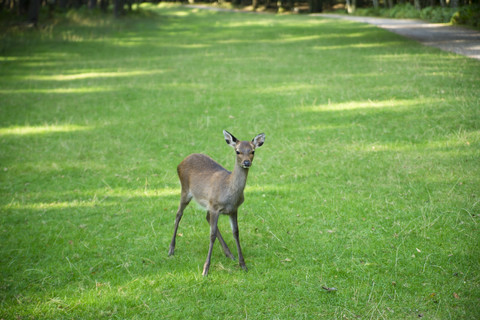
205	270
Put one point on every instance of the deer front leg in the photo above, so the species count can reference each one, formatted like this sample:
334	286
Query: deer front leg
225	248
213	236
234	223
184	201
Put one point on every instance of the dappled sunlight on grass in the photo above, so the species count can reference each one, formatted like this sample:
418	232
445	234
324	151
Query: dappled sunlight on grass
100	198
92	20
135	42
352	105
448	147
34	130
51	205
357	46
404	57
146	192
182	13
249	23
287	88
38	57
267	188
290	38
95	75
185	46
95	89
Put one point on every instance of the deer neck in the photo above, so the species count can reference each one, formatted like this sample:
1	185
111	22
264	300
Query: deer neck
238	178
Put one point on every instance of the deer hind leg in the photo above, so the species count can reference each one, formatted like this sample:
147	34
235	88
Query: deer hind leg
225	248
185	199
213	235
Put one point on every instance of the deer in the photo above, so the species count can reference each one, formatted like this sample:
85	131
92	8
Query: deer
217	190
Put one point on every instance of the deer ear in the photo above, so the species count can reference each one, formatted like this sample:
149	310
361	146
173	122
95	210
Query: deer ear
229	138
259	140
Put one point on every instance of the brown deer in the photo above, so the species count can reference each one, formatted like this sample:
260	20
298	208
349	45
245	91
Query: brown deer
218	190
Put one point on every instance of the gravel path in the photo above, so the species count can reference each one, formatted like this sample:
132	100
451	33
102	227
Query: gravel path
449	38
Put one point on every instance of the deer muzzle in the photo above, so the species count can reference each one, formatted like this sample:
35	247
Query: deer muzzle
246	164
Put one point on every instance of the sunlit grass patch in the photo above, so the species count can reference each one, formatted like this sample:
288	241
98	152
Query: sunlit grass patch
95	75
33	130
351	105
57	90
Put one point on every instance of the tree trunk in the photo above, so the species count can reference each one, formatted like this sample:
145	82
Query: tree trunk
22	7
33	11
351	6
315	5
118	8
92	4
375	4
4	5
454	3
104	5
417	4
62	4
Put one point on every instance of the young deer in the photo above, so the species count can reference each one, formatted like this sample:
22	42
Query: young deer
217	190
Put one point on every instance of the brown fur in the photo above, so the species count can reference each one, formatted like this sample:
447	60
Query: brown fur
216	189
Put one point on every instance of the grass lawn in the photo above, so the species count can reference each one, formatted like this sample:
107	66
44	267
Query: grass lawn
369	179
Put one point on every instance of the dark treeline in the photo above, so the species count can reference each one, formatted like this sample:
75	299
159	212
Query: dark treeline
30	9
329	5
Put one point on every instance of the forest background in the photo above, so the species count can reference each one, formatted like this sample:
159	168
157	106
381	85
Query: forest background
463	12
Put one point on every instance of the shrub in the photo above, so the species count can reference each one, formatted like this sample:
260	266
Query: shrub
404	11
469	15
374	12
437	14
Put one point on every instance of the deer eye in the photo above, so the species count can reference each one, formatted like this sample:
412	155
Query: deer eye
253	152
238	152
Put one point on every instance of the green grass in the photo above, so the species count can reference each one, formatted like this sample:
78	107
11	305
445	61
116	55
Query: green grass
368	181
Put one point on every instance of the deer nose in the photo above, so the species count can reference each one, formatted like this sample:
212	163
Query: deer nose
247	163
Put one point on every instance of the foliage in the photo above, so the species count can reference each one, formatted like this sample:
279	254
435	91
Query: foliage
35	11
401	11
38	12
367	182
404	11
437	14
468	16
